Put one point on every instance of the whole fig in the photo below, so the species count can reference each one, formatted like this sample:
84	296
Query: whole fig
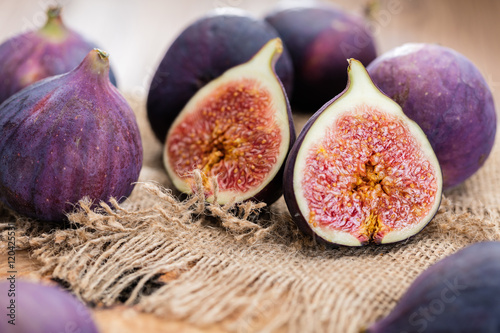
33	307
29	57
459	294
67	137
218	41
447	96
320	38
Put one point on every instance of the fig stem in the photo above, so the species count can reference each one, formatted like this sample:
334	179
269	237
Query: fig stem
102	54
95	64
54	12
54	27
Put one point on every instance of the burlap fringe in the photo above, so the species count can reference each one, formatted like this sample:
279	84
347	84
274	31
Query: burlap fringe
206	263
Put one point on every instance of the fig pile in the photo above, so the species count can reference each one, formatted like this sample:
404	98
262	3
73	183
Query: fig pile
67	137
53	49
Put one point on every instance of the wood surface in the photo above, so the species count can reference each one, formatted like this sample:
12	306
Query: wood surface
137	33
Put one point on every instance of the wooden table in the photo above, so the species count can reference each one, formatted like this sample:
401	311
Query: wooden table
137	33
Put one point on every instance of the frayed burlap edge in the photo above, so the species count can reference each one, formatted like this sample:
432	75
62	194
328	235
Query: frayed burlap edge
206	263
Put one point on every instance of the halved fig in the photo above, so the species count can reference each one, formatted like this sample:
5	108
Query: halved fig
237	128
361	171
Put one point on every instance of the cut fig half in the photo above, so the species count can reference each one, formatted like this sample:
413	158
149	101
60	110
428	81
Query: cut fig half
361	171
237	129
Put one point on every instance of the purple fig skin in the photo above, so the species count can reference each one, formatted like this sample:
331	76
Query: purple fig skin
67	137
35	55
443	92
42	308
459	294
202	52
319	39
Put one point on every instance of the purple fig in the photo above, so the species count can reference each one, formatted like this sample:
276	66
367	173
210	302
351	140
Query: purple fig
237	128
447	96
459	294
202	52
29	57
361	171
34	307
67	137
320	38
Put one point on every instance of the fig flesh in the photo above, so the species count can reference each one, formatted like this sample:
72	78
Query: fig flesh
34	307
319	38
222	39
237	128
29	57
360	170
459	294
443	92
67	137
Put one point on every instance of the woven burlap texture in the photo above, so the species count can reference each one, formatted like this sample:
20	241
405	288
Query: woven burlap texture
244	267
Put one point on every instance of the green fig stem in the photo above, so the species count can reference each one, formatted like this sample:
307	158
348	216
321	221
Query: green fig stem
54	27
54	13
102	54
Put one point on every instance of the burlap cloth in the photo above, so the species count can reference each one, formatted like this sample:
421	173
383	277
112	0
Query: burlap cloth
209	264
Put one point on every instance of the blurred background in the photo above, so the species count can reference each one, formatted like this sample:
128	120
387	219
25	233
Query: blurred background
138	33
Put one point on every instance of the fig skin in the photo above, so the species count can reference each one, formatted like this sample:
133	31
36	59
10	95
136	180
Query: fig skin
222	39
52	50
447	96
292	200
320	38
67	137
43	308
261	69
458	294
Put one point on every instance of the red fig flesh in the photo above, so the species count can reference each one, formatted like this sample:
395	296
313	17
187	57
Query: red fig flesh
361	171
237	128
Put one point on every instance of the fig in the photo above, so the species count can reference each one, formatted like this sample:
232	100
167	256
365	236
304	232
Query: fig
447	96
361	171
320	38
222	39
459	294
66	137
29	57
35	307
237	128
